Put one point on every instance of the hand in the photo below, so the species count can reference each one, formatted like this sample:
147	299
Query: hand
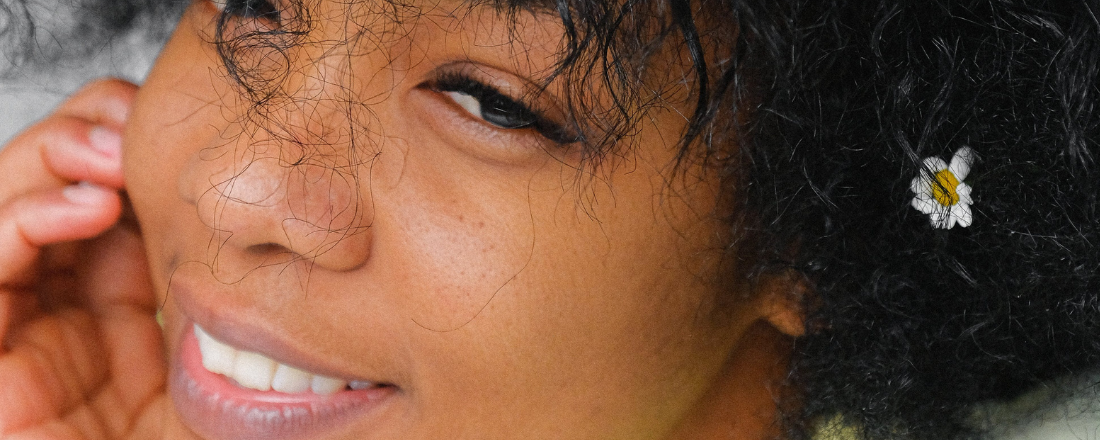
82	356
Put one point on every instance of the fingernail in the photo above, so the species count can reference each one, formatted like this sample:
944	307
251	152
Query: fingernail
85	193
106	141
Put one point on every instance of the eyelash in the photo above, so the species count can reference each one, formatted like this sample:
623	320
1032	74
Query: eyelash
489	98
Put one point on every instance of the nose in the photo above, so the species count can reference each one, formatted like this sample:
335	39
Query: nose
283	176
260	204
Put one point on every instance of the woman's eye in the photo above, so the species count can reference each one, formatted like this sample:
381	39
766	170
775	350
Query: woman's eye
251	9
490	105
497	110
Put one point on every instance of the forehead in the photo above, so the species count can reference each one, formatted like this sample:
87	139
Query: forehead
544	9
519	19
527	37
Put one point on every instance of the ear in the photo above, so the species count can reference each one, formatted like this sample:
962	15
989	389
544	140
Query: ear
781	298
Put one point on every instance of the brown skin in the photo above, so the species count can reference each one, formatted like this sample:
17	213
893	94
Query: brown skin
456	261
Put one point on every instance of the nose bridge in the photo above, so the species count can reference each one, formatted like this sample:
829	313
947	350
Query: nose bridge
329	72
278	185
284	174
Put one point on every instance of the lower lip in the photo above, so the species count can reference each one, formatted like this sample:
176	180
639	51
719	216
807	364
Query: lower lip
217	409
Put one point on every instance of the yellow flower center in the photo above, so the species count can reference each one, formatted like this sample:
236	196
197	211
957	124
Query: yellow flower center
944	188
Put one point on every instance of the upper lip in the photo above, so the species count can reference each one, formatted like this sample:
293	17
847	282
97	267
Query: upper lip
246	335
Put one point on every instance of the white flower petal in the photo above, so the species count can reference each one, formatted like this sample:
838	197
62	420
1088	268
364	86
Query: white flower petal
965	216
919	185
963	190
934	164
923	188
960	163
924	205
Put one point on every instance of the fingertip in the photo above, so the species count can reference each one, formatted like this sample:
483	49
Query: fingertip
75	212
105	141
87	194
78	150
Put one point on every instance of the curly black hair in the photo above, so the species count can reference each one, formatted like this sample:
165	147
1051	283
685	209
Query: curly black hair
818	115
909	325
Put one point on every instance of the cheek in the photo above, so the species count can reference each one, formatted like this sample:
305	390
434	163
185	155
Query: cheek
177	113
455	240
524	291
462	235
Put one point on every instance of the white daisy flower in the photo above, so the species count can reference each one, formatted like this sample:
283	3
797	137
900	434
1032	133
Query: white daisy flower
939	190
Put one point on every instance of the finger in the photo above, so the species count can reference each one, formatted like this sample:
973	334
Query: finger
94	154
16	308
55	430
55	362
105	102
115	273
59	150
96	365
30	222
72	129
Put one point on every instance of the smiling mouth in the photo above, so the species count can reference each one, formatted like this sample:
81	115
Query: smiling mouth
258	372
228	393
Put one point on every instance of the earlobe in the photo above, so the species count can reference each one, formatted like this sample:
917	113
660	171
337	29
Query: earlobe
782	297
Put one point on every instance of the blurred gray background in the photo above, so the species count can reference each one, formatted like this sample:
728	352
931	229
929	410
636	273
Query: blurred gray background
67	43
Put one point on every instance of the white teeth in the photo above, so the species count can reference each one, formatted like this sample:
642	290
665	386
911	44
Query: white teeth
216	357
326	385
291	380
258	372
253	370
360	384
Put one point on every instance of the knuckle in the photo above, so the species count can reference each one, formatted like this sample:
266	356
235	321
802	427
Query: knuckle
61	127
53	130
103	101
112	88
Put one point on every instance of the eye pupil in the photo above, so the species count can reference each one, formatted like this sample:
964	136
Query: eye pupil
506	113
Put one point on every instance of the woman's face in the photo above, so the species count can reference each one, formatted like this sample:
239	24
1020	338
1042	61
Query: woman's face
375	254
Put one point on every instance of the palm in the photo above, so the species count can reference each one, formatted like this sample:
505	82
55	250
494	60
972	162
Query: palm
83	356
